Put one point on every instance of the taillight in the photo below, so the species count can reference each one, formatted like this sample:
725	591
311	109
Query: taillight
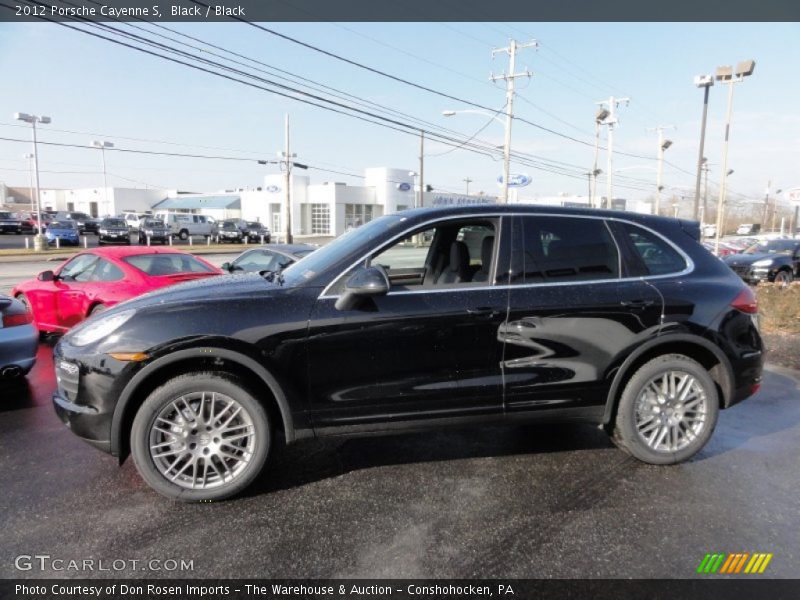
18	319
746	302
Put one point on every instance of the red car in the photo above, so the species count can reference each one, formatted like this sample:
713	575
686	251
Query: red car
94	280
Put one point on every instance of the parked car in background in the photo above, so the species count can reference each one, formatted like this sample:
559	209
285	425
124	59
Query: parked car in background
18	338
229	232
154	230
272	258
769	260
184	225
256	232
725	249
618	319
83	222
97	279
134	219
113	230
66	232
14	223
748	229
709	231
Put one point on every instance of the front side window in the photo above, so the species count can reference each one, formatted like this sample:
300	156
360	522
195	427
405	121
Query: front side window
565	249
451	253
157	265
79	268
261	260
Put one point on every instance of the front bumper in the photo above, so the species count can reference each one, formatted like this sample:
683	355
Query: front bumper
754	275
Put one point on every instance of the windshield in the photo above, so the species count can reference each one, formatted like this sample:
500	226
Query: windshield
62	225
5	215
772	247
114	223
153	223
338	250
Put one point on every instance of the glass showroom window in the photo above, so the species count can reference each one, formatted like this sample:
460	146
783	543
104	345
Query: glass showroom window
320	219
357	214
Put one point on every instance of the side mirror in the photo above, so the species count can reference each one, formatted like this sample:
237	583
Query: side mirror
46	276
368	282
226	266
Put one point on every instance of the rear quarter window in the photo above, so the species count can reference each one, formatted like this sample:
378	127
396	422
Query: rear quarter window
650	254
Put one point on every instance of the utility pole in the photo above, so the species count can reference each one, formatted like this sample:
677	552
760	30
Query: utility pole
662	145
102	145
467	181
766	206
287	169
612	103
705	82
421	168
29	158
511	50
600	116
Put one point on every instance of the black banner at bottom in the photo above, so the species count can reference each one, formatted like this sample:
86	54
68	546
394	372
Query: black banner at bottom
398	589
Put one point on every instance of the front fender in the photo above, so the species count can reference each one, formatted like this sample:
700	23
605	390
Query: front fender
205	351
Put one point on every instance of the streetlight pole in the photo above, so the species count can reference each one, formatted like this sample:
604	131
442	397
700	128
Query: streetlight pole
705	82
29	158
611	121
39	241
102	145
662	146
727	76
511	50
601	115
705	190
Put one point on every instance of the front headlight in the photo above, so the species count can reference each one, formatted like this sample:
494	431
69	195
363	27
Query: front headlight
100	328
104	231
764	262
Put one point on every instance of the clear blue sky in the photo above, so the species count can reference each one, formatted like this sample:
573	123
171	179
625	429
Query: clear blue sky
89	85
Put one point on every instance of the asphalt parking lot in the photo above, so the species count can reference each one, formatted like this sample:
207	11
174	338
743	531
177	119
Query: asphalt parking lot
523	501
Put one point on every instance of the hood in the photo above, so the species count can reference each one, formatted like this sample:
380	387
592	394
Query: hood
749	259
223	287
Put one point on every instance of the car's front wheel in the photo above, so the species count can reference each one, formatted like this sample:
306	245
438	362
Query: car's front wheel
784	277
667	411
201	436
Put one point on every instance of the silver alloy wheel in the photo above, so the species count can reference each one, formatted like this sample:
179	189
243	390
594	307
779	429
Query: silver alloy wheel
671	411
202	440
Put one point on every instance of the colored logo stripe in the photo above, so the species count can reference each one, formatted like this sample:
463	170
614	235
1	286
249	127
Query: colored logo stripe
734	563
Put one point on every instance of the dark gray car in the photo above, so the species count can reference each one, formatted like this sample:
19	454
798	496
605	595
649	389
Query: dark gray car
18	338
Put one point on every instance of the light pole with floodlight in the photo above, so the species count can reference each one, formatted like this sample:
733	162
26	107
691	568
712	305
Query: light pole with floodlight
102	145
39	241
705	82
727	76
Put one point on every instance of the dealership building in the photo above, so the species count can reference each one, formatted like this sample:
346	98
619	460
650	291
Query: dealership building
322	209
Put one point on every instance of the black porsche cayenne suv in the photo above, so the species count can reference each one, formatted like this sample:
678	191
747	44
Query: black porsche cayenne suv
424	318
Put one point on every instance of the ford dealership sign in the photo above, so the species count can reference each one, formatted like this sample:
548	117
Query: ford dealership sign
273	189
518	180
404	187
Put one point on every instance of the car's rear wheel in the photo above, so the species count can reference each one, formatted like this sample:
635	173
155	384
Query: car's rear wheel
667	411
184	235
201	436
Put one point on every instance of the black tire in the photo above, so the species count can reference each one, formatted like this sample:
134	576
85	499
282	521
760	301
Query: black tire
267	240
183	234
182	386
784	277
626	435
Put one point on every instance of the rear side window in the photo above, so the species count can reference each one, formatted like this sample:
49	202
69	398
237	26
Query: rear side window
564	249
651	254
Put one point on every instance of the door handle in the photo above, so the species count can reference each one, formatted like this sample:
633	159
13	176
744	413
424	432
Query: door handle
637	304
483	312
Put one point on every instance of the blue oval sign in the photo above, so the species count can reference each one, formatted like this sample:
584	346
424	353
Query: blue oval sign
404	187
516	180
273	189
